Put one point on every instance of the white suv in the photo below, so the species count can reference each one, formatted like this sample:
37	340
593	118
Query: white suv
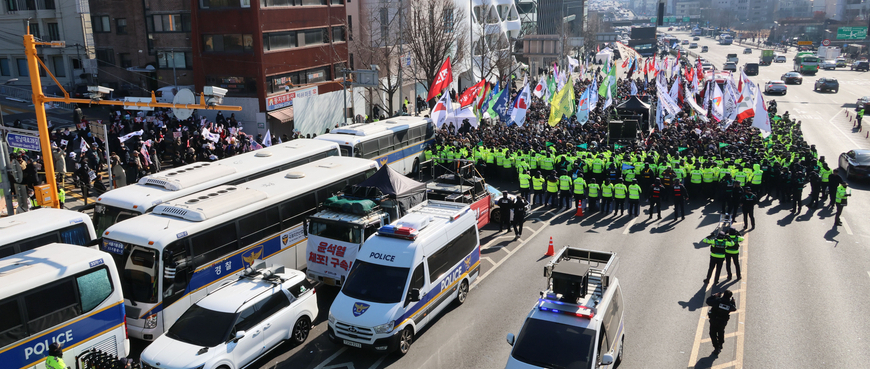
238	322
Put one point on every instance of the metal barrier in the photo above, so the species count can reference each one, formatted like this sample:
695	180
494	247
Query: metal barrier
23	95
96	359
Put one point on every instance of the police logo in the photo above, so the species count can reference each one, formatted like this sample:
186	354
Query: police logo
284	239
467	263
251	255
360	308
383	161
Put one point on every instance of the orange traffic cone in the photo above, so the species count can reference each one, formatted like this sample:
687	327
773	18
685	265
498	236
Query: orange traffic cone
550	251
579	212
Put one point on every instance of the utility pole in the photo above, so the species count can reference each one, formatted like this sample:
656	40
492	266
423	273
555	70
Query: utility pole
401	55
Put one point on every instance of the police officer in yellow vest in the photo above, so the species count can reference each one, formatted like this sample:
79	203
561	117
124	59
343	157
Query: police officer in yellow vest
55	357
696	179
579	186
717	254
634	192
61	196
619	192
565	191
525	184
538	187
552	189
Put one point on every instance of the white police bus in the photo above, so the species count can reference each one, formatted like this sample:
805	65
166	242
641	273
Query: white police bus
172	257
137	199
59	293
398	141
39	227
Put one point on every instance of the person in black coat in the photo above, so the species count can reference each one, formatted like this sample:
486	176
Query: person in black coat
519	215
505	204
721	306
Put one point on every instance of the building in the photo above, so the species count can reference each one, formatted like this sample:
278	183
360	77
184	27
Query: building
687	8
269	54
552	14
49	20
785	9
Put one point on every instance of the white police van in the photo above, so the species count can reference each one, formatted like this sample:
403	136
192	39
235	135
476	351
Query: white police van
405	275
579	320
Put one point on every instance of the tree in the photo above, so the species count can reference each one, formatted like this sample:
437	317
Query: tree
379	44
491	56
436	29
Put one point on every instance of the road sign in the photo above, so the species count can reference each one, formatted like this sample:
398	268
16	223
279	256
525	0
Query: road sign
653	20
804	43
687	19
826	42
851	33
25	142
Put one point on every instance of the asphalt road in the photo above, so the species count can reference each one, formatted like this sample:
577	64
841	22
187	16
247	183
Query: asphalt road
801	300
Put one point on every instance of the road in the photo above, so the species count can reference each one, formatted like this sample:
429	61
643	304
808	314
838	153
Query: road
801	301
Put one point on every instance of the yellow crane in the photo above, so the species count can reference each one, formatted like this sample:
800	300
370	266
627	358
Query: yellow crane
39	100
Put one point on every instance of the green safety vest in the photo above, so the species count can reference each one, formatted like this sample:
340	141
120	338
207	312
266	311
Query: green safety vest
564	183
841	194
524	180
733	247
547	163
507	162
499	158
579	185
634	192
697	176
61	195
597	166
54	362
756	176
619	191
717	247
607	190
537	183
593	189
825	174
553	186
709	175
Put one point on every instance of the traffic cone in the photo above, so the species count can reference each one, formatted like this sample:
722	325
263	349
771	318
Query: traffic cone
550	251
579	212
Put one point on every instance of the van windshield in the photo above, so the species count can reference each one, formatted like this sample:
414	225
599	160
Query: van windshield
554	345
375	283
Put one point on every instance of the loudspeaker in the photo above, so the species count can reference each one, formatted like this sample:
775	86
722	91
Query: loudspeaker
661	15
629	128
615	129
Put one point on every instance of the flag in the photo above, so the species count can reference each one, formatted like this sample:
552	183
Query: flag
484	106
439	112
608	101
563	104
572	63
129	135
583	146
145	155
470	94
551	88
521	105
541	89
761	119
593	95
716	104
681	149
84	147
442	79
617	147
627	166
583	106
722	144
729	104
213	137
675	90
498	106
660	118
267	139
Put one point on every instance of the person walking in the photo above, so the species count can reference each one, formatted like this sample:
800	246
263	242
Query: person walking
717	254
634	192
680	198
55	357
655	198
841	202
721	306
732	252
750	199
519	215
505	204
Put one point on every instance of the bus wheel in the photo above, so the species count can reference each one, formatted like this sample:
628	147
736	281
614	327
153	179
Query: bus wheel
415	169
406	338
463	292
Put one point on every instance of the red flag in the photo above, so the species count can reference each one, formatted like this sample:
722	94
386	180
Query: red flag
470	94
625	62
486	89
442	80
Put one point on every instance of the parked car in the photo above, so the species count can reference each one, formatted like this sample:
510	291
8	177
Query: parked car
855	163
841	62
730	67
827	84
772	87
829	64
862	101
747	51
792	78
704	49
696	38
779	59
693	45
684	42
860	65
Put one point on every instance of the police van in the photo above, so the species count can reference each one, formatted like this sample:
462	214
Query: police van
405	275
578	322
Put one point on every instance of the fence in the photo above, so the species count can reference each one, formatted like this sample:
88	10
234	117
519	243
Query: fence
24	95
95	359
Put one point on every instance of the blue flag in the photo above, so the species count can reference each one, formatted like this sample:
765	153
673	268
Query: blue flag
626	166
501	106
583	106
485	106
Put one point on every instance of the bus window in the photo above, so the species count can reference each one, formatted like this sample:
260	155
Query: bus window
140	275
11	326
295	210
214	243
259	225
176	257
75	235
48	307
370	148
35	242
346	150
94	287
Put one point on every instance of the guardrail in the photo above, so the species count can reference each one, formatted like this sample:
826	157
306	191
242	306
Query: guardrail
24	95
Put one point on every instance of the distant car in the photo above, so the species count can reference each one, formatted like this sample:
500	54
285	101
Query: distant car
696	38
827	84
855	163
704	49
670	28
747	51
693	45
751	69
705	66
772	87
730	67
860	65
792	78
779	59
829	64
841	62
862	101
684	42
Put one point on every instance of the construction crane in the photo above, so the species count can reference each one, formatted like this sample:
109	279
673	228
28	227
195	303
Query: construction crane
39	100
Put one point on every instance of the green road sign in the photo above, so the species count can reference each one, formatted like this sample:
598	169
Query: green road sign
851	33
653	20
686	19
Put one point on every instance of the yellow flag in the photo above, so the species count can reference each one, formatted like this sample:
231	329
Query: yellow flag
563	103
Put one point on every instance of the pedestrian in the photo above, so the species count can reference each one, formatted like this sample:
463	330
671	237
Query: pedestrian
655	198
525	183
815	189
565	195
505	204
858	117
680	198
841	202
552	189
520	204
55	357
721	306
607	196
732	252
579	186
717	254
833	182
118	174
750	199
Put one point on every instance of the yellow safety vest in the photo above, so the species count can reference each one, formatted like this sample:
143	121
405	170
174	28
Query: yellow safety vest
537	183
553	186
524	180
619	191
579	186
607	190
564	183
634	192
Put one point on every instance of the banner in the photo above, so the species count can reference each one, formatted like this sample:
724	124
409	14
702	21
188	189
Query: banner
701	113
440	112
442	80
761	119
583	106
521	105
330	257
129	135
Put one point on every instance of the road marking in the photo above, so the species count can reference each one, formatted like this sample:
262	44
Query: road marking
831	121
629	225
500	262
868	273
331	358
377	363
741	318
726	365
846	226
727	335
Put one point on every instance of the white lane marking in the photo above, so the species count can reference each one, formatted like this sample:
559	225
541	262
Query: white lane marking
848	229
331	358
377	363
629	225
831	121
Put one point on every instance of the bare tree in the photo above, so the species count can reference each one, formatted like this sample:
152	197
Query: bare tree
379	44
435	30
491	55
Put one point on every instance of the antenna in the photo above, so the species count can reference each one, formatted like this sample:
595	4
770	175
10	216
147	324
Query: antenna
183	97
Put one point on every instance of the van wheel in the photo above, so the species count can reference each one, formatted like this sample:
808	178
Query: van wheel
462	294
301	330
406	338
495	216
619	356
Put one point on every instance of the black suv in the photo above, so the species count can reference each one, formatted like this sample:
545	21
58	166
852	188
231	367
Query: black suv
861	65
827	84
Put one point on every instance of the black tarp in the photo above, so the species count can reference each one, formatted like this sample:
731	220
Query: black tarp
634	104
405	191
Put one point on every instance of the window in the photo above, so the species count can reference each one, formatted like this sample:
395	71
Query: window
53	31
214	243
234	85
314	37
11	326
22	67
100	24
94	288
417	281
12	5
259	225
442	260
228	43
4	67
176	257
105	57
46	4
350	27
338	34
48	307
206	4
169	59
34	28
336	2
279	40
168	23
302	288
60	71
312	2
294	211
271	305
121	26
246	320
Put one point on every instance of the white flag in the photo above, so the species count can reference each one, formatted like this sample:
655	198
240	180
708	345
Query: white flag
660	118
633	89
541	88
521	105
267	140
608	101
761	119
131	134
439	112
208	135
716	104
675	90
572	63
84	147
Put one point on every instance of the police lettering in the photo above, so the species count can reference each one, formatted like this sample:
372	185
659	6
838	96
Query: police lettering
450	278
41	348
384	257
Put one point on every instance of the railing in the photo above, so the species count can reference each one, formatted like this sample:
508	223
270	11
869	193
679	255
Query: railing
26	96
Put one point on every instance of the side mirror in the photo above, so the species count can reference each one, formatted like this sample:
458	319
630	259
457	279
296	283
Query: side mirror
239	335
414	294
510	339
606	359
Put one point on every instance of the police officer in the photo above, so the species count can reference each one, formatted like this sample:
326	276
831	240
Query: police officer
620	190
815	189
749	200
717	254
833	183
655	198
680	198
593	190
634	192
732	252
552	189
841	202
579	186
55	357
721	306
607	196
565	191
525	183
519	215
505	204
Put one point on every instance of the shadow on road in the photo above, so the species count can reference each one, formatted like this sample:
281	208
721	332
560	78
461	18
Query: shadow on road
697	300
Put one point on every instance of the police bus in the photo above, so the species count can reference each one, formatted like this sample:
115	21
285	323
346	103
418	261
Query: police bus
137	199
59	293
397	141
172	257
25	231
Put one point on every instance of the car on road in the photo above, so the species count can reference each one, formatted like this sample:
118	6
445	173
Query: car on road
751	69
792	78
841	62
730	67
670	28
855	163
239	321
704	49
772	87
747	51
684	42
693	45
696	38
860	65
862	101
779	59
829	64
705	66
827	84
